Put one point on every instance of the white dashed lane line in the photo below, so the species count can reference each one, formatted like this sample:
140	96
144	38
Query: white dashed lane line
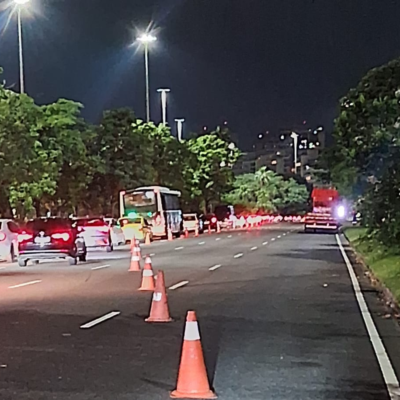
217	239
265	243
254	248
238	255
178	285
229	236
179	248
24	284
101	267
215	267
201	243
279	236
272	239
100	320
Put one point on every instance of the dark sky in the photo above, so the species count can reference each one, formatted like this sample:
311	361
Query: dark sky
259	64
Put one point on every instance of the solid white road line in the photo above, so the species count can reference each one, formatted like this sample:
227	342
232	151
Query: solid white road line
265	243
201	243
179	248
100	267
100	320
254	248
178	285
24	284
238	255
388	373
215	267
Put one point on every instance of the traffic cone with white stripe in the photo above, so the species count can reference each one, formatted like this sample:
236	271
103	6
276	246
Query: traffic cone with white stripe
186	233
159	311
170	237
147	276
218	227
147	240
137	248
196	232
192	377
135	259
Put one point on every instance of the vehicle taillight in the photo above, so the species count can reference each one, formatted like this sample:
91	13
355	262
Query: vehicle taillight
61	236
2	236
23	237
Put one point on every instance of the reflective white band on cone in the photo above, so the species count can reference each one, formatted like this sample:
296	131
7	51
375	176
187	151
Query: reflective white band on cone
136	249
157	296
135	258
148	272
148	260
192	331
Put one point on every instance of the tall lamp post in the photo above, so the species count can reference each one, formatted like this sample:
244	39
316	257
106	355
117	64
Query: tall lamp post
179	127
19	4
146	39
295	138
164	104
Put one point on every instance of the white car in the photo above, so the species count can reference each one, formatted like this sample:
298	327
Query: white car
190	222
8	240
117	234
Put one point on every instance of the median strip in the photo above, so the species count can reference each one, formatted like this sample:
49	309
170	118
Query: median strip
24	284
178	285
100	320
101	267
215	267
238	255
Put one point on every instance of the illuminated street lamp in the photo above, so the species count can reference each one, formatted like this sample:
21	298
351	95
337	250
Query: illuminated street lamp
295	138
19	4
179	127
146	39
164	104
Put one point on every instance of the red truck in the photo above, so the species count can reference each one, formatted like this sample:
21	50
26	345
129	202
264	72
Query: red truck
326	212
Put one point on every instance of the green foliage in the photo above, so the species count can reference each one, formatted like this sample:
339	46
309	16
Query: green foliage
265	190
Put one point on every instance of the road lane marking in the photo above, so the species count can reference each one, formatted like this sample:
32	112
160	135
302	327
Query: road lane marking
100	267
265	243
279	236
229	236
201	243
217	239
272	239
392	383
179	248
284	234
178	285
3	267
24	284
99	320
238	255
152	254
254	248
215	267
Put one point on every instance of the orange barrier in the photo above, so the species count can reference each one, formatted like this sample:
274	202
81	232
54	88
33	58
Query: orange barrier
196	232
147	276
159	311
192	377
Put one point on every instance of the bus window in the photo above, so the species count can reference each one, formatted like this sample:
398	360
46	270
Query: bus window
169	202
140	201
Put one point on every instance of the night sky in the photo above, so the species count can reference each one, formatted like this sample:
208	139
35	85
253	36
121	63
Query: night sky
258	64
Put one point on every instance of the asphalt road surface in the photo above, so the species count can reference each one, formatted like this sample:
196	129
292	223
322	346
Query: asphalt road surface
277	310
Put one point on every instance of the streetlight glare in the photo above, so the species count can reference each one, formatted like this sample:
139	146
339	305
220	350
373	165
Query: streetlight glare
143	38
21	2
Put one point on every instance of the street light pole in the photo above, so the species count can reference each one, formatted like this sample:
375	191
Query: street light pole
295	138
146	39
179	127
164	104
19	4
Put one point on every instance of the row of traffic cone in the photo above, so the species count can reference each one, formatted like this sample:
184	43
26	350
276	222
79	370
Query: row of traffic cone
192	382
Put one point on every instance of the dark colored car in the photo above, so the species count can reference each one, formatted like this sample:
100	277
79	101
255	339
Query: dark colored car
48	238
209	220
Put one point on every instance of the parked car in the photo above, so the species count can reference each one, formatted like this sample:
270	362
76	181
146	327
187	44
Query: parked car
8	240
226	216
117	234
191	222
48	238
95	232
137	227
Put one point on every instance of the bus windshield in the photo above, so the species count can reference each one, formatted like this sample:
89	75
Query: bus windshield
140	202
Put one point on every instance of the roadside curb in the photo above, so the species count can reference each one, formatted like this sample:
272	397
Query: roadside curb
383	292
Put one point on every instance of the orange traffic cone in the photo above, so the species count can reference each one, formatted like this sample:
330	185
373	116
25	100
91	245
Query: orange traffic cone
147	240
209	229
159	311
196	231
192	377
218	228
135	262
147	276
170	238
186	233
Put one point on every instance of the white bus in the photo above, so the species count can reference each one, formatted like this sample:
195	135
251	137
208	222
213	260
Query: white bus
159	205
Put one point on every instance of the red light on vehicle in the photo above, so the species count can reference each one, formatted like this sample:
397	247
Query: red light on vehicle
2	236
23	237
214	220
61	236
